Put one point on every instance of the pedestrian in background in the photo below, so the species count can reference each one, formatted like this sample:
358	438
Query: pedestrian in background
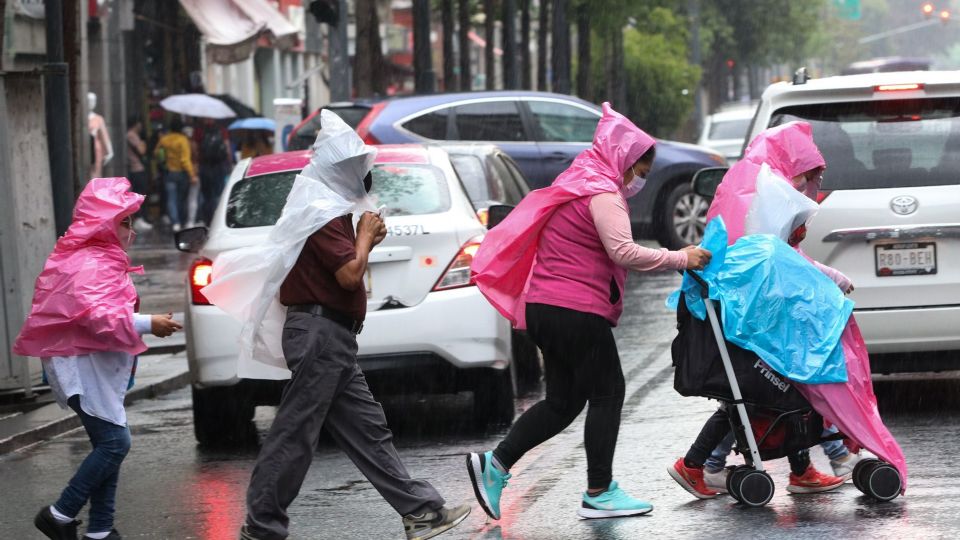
180	173
136	168
87	341
215	162
576	236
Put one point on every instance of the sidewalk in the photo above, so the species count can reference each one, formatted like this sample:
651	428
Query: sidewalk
157	374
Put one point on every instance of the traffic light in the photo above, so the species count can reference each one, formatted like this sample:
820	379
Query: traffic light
326	11
927	9
944	16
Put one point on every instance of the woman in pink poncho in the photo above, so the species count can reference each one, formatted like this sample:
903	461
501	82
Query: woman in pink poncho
558	263
83	327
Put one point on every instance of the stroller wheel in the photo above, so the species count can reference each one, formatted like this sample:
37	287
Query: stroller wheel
733	481
859	472
756	488
881	481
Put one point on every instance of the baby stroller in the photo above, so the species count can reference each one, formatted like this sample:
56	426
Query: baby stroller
780	420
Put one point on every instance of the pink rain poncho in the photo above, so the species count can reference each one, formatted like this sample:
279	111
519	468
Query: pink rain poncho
504	262
852	406
83	300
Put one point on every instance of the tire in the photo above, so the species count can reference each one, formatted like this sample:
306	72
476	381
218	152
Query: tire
683	217
756	488
223	416
527	357
493	395
860	471
733	481
881	481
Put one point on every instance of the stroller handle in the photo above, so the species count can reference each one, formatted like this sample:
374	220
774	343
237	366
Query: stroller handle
704	287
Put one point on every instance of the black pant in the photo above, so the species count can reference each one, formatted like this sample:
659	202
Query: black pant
716	429
581	363
212	179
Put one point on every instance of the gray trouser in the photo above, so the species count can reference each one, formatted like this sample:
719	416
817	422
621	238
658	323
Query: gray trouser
327	390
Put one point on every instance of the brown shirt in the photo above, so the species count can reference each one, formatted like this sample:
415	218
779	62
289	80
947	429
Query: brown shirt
312	280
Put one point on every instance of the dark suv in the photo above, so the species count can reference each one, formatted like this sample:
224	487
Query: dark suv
542	132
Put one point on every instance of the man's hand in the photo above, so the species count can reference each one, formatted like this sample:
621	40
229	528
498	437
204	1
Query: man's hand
372	228
697	258
164	325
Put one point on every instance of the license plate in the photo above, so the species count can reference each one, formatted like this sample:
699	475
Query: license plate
907	259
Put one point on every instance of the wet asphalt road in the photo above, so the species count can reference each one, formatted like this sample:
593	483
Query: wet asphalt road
170	488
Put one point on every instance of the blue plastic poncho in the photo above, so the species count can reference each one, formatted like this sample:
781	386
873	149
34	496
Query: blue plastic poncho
776	304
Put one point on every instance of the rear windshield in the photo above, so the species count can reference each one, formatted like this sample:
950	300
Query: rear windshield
470	170
884	144
729	129
406	190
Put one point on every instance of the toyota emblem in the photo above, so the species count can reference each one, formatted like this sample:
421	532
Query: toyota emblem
904	205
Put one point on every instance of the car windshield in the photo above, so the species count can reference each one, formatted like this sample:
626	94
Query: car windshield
729	129
884	143
405	190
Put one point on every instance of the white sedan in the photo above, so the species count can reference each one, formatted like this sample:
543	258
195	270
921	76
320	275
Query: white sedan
428	329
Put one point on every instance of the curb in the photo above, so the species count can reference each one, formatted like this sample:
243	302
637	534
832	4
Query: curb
71	421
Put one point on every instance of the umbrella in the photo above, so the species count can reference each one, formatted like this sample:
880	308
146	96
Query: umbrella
200	105
264	124
239	107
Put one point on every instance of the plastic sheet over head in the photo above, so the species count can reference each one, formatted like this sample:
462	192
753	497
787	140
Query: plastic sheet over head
777	207
246	282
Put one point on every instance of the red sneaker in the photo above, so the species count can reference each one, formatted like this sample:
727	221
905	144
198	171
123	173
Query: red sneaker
813	481
691	479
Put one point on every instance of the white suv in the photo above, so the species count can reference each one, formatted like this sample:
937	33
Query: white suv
890	208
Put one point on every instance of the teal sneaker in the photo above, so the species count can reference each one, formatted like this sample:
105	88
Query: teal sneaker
614	502
488	482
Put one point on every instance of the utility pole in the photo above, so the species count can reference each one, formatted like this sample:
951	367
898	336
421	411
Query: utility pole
510	79
424	77
489	18
543	31
446	17
693	7
339	62
526	63
463	13
57	104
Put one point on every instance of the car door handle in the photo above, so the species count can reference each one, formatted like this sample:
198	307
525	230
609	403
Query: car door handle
557	156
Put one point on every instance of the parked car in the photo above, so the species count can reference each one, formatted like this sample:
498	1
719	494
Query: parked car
352	112
428	328
889	213
543	132
725	130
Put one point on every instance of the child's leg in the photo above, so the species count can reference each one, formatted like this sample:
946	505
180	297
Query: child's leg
713	432
96	479
799	462
718	458
833	449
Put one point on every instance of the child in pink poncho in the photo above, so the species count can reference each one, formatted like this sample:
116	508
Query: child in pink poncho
83	327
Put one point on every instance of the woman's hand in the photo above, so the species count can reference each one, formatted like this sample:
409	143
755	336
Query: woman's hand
697	258
163	325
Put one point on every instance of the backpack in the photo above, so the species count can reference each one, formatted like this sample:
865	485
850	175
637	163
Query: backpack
213	149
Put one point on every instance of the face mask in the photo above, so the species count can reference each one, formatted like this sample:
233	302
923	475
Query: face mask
633	187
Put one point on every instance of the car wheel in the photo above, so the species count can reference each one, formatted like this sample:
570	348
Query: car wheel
683	217
493	395
223	415
527	357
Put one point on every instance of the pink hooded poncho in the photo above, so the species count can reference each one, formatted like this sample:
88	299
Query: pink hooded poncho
504	262
83	300
789	150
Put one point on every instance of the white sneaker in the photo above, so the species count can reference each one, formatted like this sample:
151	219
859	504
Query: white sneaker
141	226
717	481
189	225
176	227
843	467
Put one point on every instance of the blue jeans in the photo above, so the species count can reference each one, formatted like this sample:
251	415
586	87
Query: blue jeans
96	479
718	458
177	185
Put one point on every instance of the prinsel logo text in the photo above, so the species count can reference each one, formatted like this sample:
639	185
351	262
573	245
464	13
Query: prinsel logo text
772	377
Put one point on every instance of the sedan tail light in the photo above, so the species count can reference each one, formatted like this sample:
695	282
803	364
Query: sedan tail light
201	272
363	129
821	195
457	273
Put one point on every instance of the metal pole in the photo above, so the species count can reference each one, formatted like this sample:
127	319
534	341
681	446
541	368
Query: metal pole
510	79
560	59
57	106
424	78
339	63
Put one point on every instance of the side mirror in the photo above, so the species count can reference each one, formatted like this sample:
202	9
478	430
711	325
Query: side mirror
705	182
496	214
190	240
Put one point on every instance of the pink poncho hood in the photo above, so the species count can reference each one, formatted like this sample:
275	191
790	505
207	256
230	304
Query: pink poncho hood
788	149
503	264
83	300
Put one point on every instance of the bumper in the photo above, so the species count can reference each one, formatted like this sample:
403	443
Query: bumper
910	330
459	327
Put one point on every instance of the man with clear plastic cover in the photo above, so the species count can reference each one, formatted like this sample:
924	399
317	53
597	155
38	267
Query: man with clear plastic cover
308	276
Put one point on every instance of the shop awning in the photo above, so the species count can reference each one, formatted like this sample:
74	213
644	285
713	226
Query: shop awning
233	27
